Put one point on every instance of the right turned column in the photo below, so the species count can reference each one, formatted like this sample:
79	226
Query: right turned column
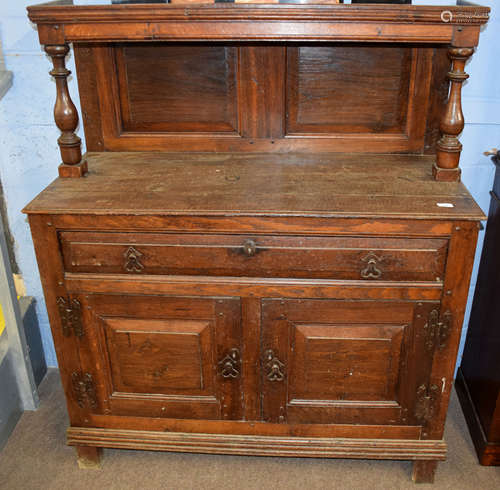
452	123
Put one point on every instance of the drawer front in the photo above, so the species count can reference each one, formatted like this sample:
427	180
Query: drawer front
370	258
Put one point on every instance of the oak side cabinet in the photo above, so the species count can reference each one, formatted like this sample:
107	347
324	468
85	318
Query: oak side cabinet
266	249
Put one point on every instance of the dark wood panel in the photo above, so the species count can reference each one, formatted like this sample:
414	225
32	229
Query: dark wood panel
343	362
177	88
261	80
89	100
437	97
348	89
159	356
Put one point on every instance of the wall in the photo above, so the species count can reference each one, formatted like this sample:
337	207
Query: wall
29	152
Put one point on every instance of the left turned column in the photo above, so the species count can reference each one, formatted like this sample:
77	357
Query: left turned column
66	116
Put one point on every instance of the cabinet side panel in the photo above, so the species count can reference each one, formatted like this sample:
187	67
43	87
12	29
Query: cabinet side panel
89	99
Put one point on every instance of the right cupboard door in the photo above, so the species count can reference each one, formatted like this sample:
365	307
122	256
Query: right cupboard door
346	362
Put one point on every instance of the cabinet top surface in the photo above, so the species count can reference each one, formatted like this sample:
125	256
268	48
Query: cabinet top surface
218	184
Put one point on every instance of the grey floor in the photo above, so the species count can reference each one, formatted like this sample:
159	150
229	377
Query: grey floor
36	457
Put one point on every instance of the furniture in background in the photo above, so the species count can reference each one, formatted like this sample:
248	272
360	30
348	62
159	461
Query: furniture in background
478	378
267	248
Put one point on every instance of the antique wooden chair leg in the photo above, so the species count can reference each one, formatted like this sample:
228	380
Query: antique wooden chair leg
89	457
424	471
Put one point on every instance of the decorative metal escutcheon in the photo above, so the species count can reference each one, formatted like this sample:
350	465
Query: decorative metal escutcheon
132	262
371	271
249	248
275	369
229	366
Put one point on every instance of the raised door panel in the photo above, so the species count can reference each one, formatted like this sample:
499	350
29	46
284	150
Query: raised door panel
177	88
162	356
334	91
345	362
329	361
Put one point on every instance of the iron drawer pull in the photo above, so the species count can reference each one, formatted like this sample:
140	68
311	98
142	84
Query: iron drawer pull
249	248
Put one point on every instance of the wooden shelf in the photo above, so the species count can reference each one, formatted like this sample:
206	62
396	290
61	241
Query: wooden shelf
329	184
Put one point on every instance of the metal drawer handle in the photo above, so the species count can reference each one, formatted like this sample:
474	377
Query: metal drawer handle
132	260
249	248
371	271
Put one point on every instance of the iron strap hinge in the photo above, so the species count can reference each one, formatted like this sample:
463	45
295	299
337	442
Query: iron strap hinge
84	388
425	404
437	329
70	312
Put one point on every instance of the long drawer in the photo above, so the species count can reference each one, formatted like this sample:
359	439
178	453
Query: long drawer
370	258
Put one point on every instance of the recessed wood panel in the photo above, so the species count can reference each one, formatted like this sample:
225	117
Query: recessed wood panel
346	362
160	356
177	88
347	89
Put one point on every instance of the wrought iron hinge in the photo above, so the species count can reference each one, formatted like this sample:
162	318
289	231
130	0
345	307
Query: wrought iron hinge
444	329
84	388
437	329
70	311
425	405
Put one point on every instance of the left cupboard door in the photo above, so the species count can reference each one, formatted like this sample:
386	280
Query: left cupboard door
159	356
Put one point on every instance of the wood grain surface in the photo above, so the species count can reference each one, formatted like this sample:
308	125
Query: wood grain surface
344	185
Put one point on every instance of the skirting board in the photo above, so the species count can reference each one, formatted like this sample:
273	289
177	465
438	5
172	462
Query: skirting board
403	449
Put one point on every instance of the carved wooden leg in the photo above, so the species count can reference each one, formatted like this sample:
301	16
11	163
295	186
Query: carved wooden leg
424	471
89	458
452	123
66	116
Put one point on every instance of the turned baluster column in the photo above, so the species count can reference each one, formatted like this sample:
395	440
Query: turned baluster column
66	116
452	123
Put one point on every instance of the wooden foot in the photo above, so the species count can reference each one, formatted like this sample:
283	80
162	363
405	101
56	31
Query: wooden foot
424	471
446	174
89	458
78	170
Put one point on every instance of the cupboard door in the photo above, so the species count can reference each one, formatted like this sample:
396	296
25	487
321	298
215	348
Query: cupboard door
158	356
329	361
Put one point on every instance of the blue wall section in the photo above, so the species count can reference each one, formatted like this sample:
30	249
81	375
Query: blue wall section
29	154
